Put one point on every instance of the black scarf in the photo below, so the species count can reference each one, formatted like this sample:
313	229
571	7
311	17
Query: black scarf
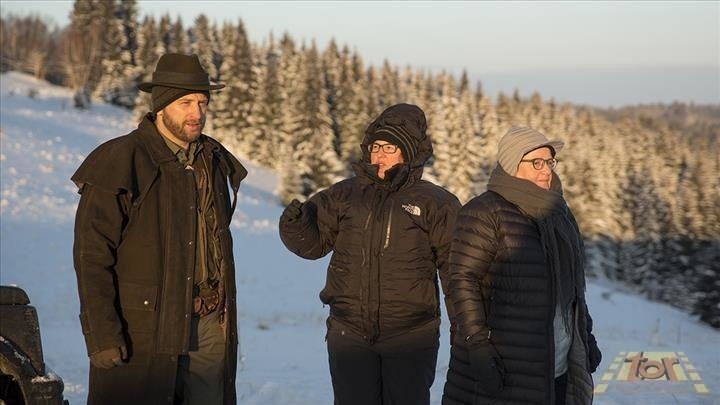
559	232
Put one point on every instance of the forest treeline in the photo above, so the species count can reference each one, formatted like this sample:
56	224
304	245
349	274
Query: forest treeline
643	181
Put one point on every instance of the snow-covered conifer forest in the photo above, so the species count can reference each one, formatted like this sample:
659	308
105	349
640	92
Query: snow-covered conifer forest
643	181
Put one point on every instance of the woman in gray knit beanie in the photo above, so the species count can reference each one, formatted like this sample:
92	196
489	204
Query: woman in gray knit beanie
517	285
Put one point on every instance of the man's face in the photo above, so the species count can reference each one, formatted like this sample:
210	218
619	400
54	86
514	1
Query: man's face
542	177
184	118
384	160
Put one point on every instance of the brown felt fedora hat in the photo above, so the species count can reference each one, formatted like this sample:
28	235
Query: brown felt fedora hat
180	72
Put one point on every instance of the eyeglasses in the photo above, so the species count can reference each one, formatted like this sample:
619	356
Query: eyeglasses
539	163
387	148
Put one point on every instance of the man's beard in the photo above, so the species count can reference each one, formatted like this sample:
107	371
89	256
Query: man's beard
178	128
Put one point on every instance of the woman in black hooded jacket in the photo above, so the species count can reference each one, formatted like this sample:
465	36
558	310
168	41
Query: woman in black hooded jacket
517	284
389	232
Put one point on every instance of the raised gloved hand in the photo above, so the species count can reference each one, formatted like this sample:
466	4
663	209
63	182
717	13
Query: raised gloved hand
487	366
292	212
109	358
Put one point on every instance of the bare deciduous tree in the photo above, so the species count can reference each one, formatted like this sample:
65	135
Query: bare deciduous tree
24	43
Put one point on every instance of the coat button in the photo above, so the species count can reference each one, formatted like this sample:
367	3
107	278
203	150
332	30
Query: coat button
146	302
190	243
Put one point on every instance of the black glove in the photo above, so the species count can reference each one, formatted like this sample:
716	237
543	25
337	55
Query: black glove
487	367
594	355
292	212
109	358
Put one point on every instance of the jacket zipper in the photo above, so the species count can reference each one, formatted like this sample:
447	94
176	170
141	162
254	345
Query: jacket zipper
551	335
365	291
387	231
385	244
365	228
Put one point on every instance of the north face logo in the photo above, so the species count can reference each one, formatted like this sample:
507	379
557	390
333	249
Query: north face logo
412	209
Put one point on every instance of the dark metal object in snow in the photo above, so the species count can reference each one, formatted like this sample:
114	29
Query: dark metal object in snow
24	377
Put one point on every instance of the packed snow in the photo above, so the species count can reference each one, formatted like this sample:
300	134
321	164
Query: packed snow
281	319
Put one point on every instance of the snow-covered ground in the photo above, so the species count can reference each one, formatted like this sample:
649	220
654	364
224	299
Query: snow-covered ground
282	322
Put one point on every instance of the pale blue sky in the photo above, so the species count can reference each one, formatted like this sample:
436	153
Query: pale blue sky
594	52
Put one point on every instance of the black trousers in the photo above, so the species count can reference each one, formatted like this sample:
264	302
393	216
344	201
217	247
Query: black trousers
394	371
560	389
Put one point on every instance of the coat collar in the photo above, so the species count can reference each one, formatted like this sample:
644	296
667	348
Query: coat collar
153	141
160	153
399	176
158	148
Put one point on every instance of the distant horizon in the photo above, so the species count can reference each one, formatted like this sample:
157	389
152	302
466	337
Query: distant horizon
603	54
611	87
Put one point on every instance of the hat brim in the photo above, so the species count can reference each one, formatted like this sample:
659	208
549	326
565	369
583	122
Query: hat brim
555	145
147	86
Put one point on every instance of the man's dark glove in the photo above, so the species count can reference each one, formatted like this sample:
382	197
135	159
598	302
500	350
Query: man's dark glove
292	212
109	358
594	355
487	367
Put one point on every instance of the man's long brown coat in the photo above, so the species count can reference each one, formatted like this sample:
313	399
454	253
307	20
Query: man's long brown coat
134	255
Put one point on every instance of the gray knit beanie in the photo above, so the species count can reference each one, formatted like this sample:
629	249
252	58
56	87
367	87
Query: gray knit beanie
517	142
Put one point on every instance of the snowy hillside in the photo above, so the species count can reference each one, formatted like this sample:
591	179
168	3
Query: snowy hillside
282	322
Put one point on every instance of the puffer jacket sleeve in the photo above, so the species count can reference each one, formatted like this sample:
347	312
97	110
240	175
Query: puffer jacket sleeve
473	249
442	224
312	235
99	222
594	354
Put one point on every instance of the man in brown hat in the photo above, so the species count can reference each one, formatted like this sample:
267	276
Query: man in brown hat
153	252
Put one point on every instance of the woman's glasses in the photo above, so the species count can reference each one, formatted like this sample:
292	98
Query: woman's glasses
539	163
387	148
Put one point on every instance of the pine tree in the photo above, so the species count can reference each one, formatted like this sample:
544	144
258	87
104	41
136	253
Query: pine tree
117	85
204	43
351	108
178	41
506	112
165	35
316	146
489	134
84	47
699	193
233	106
330	66
388	89
267	110
290	170
455	139
414	82
146	57
374	106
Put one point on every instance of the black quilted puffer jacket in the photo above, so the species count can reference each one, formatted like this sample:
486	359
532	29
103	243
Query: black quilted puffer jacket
389	239
500	283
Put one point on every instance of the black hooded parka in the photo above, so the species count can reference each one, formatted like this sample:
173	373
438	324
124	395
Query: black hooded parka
388	240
